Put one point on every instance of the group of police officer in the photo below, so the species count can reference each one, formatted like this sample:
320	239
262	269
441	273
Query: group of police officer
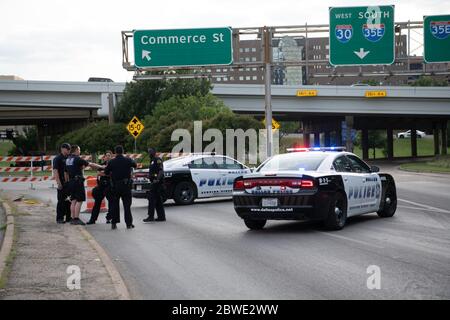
113	182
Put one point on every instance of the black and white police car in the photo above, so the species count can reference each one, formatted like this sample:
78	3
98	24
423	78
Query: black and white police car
194	176
320	184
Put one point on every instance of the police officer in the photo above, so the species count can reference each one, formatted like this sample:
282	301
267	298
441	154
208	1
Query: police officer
59	167
155	196
74	174
120	169
102	190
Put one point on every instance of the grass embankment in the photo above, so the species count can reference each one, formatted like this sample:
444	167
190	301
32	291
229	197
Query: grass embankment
440	164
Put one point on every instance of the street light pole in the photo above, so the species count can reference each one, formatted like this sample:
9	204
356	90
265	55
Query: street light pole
267	34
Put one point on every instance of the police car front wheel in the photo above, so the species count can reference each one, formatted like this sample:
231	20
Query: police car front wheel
337	213
184	193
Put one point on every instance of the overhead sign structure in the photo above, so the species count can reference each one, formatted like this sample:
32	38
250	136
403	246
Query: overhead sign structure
362	35
182	47
436	33
135	127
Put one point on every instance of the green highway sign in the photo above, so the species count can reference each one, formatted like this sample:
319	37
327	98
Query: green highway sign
182	47
362	35
436	34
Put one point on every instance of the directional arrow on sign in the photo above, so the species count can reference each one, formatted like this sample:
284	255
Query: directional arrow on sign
146	55
361	53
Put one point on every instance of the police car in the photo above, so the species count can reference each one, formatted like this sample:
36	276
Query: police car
194	176
321	184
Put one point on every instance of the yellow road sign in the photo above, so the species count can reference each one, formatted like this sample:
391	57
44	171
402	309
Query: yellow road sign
135	127
275	124
307	93
375	94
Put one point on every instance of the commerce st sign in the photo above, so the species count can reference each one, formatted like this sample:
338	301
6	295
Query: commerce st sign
182	47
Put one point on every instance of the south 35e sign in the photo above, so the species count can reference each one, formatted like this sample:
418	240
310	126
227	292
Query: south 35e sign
362	35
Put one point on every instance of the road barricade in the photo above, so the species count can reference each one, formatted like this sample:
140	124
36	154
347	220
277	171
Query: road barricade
91	183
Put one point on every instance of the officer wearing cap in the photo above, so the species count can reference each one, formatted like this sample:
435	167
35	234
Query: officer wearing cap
59	167
102	190
120	169
155	196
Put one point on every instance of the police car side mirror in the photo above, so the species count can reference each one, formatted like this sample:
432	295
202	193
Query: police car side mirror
374	169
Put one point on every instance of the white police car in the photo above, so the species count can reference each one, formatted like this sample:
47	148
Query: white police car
194	176
319	184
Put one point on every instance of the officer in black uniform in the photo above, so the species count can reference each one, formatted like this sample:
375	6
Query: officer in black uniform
74	172
102	190
59	167
155	196
120	169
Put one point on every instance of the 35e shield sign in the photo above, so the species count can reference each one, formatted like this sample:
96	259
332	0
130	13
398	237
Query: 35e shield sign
436	33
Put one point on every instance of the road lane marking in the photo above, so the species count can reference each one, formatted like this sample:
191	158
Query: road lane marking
425	206
416	208
353	240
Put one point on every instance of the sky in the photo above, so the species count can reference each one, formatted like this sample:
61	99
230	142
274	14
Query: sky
74	40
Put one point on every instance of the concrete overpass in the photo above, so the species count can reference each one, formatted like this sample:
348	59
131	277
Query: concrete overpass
61	106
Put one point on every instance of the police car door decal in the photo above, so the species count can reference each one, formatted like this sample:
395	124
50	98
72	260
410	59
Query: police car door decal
206	176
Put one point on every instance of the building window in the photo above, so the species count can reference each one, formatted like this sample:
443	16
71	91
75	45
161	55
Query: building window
231	78
253	58
241	78
253	49
247	59
254	78
241	50
253	69
219	79
225	79
247	49
247	78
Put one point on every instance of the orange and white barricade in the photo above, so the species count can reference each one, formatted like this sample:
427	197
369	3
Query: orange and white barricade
91	183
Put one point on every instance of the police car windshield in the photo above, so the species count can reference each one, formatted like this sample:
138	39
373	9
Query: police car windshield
177	162
296	161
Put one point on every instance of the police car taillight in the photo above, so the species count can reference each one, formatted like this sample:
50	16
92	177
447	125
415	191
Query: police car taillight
238	184
278	182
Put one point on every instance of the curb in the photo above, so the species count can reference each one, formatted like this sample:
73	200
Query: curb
118	282
8	239
424	172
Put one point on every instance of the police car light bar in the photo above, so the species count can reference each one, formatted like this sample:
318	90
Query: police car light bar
316	149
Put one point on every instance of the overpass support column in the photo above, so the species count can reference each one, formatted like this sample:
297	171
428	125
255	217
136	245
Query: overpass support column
348	133
327	139
339	137
413	142
306	140
390	143
316	139
444	138
365	144
436	139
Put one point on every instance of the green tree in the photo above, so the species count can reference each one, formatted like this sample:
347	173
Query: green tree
100	136
140	98
181	112
377	139
25	143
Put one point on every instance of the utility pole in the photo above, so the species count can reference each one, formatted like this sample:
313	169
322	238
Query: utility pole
267	36
111	108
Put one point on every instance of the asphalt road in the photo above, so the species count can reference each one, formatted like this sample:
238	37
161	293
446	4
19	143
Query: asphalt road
204	251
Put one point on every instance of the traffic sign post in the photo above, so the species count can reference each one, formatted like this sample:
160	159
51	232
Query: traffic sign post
182	47
436	34
135	128
362	35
